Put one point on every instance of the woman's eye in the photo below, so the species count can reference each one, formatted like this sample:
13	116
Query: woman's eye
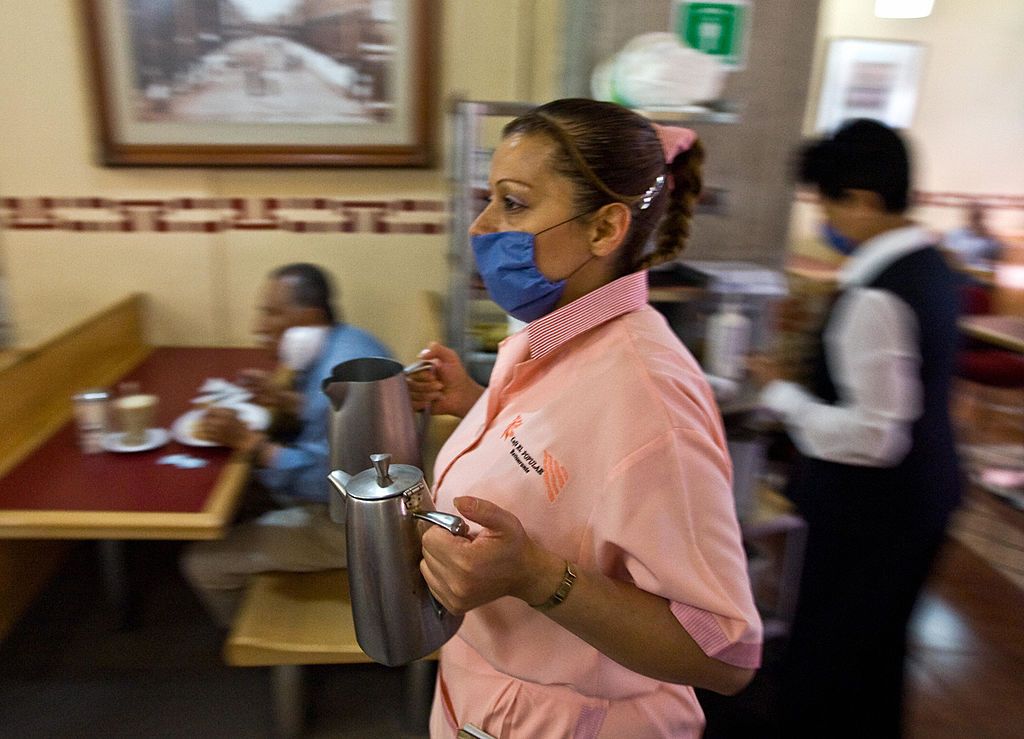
511	205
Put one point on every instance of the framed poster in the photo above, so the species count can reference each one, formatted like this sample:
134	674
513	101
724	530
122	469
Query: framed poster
869	78
263	82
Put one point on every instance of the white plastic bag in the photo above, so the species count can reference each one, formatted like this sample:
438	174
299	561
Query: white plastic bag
656	70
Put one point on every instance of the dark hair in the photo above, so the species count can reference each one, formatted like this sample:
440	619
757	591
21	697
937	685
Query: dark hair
613	155
861	155
310	287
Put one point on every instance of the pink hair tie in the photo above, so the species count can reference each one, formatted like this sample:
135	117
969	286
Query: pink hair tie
674	140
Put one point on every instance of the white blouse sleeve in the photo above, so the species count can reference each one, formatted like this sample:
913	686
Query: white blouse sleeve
873	357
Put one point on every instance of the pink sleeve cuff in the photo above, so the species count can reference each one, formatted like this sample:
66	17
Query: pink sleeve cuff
712	639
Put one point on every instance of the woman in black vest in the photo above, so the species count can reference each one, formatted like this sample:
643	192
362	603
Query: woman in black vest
877	475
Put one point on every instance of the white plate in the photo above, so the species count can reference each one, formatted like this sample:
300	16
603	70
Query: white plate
254	416
154	438
225	398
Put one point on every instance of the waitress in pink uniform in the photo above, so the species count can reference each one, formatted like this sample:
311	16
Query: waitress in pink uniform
605	576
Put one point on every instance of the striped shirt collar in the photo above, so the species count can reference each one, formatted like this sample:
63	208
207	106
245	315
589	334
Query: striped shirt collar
624	295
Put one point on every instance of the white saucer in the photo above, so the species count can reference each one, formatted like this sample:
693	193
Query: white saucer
254	416
154	438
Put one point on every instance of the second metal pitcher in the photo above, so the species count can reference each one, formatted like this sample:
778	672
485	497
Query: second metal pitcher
397	618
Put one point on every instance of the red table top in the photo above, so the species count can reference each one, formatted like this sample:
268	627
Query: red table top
59	477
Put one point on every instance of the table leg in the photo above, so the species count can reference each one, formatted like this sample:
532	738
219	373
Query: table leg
419	694
113	556
792	570
289	699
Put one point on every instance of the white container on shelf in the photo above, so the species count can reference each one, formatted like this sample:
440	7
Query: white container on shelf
728	340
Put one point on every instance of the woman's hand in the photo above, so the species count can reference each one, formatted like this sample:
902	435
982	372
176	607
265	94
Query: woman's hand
446	388
762	369
500	560
613	616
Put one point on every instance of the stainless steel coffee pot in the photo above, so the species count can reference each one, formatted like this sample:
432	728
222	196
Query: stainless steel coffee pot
370	411
397	618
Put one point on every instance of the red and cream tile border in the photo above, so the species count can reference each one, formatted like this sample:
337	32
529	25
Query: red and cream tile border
296	215
212	215
948	199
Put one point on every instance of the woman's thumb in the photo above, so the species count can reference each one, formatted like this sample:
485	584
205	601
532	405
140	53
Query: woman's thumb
484	512
438	350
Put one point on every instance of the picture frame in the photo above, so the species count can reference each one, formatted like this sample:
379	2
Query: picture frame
306	83
869	78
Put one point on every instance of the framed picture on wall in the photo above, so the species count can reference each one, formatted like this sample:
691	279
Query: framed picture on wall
344	83
869	78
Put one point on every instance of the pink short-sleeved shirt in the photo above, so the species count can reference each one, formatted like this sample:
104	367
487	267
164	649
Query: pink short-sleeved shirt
599	432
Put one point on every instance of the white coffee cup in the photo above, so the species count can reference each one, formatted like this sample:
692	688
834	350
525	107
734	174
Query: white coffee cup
135	414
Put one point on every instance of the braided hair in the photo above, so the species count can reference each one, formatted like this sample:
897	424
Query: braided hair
613	155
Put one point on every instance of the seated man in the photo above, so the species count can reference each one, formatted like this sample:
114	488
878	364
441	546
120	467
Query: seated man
293	531
973	244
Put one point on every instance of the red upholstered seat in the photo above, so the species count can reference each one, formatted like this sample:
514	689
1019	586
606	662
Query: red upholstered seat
979	361
992	367
975	300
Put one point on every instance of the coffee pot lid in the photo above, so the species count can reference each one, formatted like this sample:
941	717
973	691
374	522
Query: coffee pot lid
384	480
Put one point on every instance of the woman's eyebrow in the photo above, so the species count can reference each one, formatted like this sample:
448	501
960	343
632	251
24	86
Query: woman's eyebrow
509	180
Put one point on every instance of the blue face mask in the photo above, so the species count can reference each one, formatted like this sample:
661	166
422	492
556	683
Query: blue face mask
505	261
842	244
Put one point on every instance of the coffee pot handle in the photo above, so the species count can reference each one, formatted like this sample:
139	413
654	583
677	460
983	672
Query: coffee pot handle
448	521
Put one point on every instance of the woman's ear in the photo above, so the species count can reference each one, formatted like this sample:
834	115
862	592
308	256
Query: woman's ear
608	228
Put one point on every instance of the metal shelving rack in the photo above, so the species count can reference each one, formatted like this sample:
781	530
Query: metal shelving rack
470	159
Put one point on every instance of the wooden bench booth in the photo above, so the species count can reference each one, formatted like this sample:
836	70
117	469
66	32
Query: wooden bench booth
36	386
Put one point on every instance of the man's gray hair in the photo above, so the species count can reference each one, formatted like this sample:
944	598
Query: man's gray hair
311	287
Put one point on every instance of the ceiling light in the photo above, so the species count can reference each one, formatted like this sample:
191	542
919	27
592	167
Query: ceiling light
903	8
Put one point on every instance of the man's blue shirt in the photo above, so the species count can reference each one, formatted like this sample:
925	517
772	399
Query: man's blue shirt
300	468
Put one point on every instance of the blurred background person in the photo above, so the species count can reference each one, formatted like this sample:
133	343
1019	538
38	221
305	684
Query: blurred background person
289	528
877	475
973	244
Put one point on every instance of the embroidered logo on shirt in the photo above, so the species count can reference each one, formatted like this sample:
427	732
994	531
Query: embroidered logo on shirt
516	423
555	476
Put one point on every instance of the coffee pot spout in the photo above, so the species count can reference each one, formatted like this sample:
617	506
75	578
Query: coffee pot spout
340	480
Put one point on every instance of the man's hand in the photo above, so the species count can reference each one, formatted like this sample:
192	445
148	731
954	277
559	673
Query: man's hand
223	426
260	384
267	393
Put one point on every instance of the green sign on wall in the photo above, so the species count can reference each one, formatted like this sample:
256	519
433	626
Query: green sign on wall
716	28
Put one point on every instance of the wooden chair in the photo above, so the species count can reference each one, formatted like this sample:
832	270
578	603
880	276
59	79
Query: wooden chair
289	620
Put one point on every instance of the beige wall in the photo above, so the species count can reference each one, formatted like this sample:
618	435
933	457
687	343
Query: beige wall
968	134
968	129
202	285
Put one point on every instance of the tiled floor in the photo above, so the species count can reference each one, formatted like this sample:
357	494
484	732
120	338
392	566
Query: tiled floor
985	526
965	669
967	658
66	671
